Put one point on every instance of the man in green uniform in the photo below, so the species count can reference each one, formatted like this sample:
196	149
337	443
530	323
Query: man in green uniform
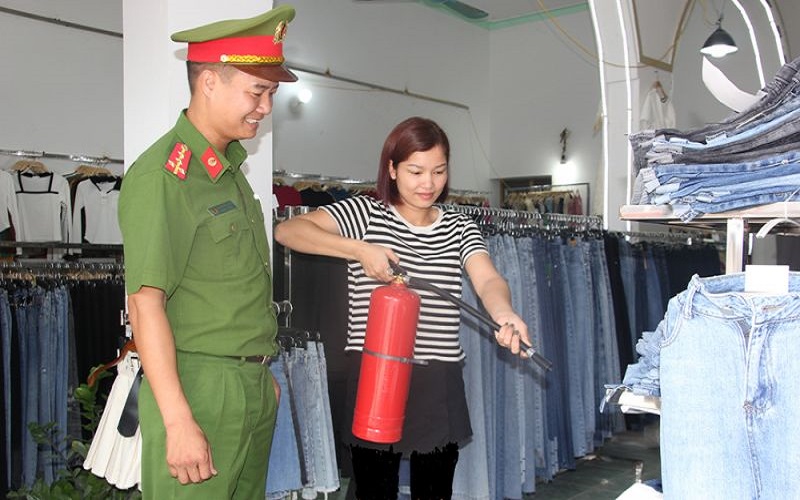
198	273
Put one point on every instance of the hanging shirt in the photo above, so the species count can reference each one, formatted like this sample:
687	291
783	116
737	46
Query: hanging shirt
44	207
94	217
9	214
656	114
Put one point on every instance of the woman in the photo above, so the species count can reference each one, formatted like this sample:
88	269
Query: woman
406	227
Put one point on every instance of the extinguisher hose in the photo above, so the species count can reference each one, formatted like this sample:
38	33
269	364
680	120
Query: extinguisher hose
425	285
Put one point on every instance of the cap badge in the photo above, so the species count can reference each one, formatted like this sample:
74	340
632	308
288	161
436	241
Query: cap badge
212	163
178	161
280	32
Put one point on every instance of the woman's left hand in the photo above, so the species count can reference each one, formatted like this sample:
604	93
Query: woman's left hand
513	334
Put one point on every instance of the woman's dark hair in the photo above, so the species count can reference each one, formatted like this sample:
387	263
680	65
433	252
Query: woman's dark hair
410	136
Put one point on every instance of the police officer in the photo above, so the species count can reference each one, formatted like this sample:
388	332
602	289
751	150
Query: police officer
198	275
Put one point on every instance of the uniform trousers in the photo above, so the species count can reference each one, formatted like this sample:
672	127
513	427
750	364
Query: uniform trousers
234	403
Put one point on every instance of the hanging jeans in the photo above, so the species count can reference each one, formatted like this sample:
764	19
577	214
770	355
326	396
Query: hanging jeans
5	337
284	474
729	385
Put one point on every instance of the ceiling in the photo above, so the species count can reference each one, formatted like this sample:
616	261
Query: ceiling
502	10
506	12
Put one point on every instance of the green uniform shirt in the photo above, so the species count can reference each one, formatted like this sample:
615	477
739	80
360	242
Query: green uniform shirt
192	226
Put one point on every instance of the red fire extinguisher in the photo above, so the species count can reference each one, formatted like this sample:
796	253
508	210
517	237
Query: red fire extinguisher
386	363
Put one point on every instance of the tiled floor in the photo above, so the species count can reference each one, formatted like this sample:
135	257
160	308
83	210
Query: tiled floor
609	471
602	476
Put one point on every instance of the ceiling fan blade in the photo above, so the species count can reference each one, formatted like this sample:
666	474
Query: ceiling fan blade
465	10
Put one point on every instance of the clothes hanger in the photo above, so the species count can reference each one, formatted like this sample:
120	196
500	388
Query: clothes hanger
662	94
130	346
786	220
30	166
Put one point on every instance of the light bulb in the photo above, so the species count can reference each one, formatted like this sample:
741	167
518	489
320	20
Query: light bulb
304	95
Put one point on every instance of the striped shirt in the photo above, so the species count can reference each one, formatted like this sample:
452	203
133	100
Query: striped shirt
436	253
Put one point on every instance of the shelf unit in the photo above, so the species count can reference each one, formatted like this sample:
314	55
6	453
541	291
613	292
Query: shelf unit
739	224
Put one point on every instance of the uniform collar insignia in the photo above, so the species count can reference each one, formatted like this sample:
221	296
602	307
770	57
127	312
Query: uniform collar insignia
178	161
212	163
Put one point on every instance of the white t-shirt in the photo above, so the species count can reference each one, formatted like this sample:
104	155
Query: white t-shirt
44	207
96	203
656	114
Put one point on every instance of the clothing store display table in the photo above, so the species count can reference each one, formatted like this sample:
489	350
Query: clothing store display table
739	224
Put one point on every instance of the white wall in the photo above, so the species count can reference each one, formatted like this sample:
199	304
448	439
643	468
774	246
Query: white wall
694	104
400	45
61	87
790	18
541	83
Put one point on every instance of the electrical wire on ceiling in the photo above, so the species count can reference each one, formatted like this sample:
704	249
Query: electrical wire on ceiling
593	54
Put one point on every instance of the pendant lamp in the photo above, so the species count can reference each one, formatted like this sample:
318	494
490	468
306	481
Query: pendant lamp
720	43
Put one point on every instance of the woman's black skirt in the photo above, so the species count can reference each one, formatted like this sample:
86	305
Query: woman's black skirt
436	412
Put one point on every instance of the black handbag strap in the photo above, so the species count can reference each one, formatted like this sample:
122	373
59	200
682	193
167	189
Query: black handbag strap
129	420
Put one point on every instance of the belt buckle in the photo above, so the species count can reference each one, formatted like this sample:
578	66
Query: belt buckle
265	359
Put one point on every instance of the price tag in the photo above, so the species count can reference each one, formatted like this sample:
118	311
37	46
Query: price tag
766	279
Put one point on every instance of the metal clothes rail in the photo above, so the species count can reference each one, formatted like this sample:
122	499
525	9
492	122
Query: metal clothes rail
95	160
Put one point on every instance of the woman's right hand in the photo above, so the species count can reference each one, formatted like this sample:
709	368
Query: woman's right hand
375	261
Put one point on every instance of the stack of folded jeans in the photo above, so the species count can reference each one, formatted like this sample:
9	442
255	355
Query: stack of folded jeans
751	158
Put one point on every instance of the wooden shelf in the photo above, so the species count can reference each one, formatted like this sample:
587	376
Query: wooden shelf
739	223
663	213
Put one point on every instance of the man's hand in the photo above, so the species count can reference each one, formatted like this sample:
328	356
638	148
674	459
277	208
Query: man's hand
189	454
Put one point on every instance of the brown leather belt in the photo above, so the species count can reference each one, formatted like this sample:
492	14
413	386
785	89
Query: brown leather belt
260	359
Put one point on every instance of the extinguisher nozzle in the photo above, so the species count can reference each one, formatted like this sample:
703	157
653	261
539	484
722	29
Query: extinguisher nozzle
538	358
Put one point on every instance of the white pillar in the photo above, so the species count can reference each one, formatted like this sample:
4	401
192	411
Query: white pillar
619	87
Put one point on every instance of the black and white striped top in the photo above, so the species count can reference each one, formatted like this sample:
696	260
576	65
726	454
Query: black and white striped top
436	253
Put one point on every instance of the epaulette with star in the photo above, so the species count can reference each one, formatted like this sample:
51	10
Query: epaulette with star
178	161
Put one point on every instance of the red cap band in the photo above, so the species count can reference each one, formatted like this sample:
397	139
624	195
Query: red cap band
243	50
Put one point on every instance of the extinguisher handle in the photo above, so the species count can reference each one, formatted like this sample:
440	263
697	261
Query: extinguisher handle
420	283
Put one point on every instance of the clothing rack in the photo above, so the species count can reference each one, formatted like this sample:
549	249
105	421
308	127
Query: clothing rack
525	196
60	245
347	181
688	237
289	337
95	160
38	270
507	219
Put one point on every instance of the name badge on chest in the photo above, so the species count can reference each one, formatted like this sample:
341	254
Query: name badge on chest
222	208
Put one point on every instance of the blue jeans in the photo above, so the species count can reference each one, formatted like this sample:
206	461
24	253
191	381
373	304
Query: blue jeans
580	348
729	380
563	321
629	270
606	348
5	338
476	456
61	312
782	125
296	361
46	367
28	305
326	474
533	423
284	463
667	182
746	194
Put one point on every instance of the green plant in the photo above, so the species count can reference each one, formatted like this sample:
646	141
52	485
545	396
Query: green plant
73	481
